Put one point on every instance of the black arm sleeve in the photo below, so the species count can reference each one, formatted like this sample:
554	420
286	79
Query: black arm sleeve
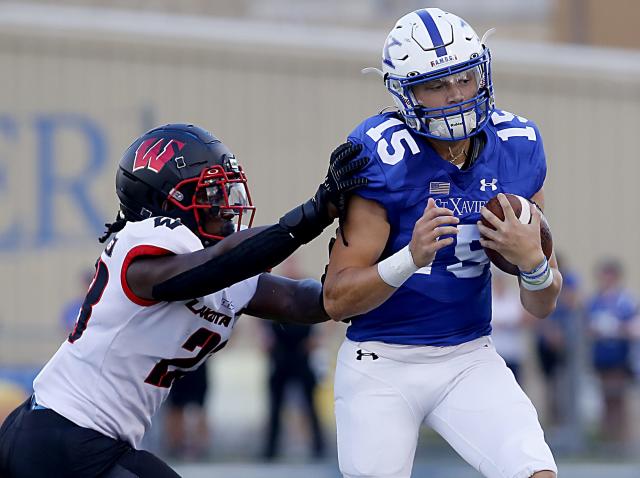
251	257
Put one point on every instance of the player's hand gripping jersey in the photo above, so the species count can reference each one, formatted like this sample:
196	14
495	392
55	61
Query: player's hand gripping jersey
449	301
119	363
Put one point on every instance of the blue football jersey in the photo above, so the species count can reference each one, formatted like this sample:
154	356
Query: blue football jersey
449	301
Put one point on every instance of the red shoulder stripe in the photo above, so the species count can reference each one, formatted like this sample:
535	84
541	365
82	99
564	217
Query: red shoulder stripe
135	253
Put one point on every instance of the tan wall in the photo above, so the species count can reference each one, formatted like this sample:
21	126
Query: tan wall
613	23
281	108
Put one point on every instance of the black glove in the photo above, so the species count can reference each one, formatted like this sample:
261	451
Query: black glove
340	180
307	221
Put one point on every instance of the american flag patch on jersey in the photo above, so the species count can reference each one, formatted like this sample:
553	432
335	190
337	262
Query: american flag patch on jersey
436	187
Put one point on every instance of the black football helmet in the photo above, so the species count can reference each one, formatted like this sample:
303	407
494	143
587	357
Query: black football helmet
184	172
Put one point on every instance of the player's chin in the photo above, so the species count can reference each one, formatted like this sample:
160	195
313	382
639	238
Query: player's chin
217	226
227	228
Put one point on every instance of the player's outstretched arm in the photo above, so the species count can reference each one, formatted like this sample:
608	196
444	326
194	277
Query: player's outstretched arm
250	252
286	300
356	282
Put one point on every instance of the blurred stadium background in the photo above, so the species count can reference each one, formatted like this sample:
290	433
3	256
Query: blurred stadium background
279	82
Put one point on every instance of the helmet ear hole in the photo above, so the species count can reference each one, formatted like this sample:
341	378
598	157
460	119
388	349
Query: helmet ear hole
167	206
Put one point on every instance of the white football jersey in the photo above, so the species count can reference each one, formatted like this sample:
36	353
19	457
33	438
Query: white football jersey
118	365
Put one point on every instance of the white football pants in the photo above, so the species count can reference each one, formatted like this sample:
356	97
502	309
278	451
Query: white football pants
466	393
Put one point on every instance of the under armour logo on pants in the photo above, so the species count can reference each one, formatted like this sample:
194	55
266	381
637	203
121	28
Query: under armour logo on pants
365	354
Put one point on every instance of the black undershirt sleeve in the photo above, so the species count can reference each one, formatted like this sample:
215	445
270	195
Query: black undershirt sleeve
255	255
251	257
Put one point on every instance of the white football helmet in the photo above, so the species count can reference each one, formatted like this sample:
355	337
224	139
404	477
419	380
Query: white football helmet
430	44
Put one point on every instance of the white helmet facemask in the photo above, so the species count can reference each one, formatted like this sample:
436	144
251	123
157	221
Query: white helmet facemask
453	127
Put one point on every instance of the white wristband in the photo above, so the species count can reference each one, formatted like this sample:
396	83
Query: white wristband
543	285
396	269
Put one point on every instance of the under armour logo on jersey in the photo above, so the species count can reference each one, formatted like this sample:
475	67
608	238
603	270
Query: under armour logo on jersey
484	184
366	354
153	154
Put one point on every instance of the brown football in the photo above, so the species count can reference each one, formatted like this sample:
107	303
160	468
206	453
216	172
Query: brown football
519	204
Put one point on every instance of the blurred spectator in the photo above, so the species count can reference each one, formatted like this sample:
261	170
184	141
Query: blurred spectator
289	354
70	310
557	346
611	311
186	426
508	322
290	350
